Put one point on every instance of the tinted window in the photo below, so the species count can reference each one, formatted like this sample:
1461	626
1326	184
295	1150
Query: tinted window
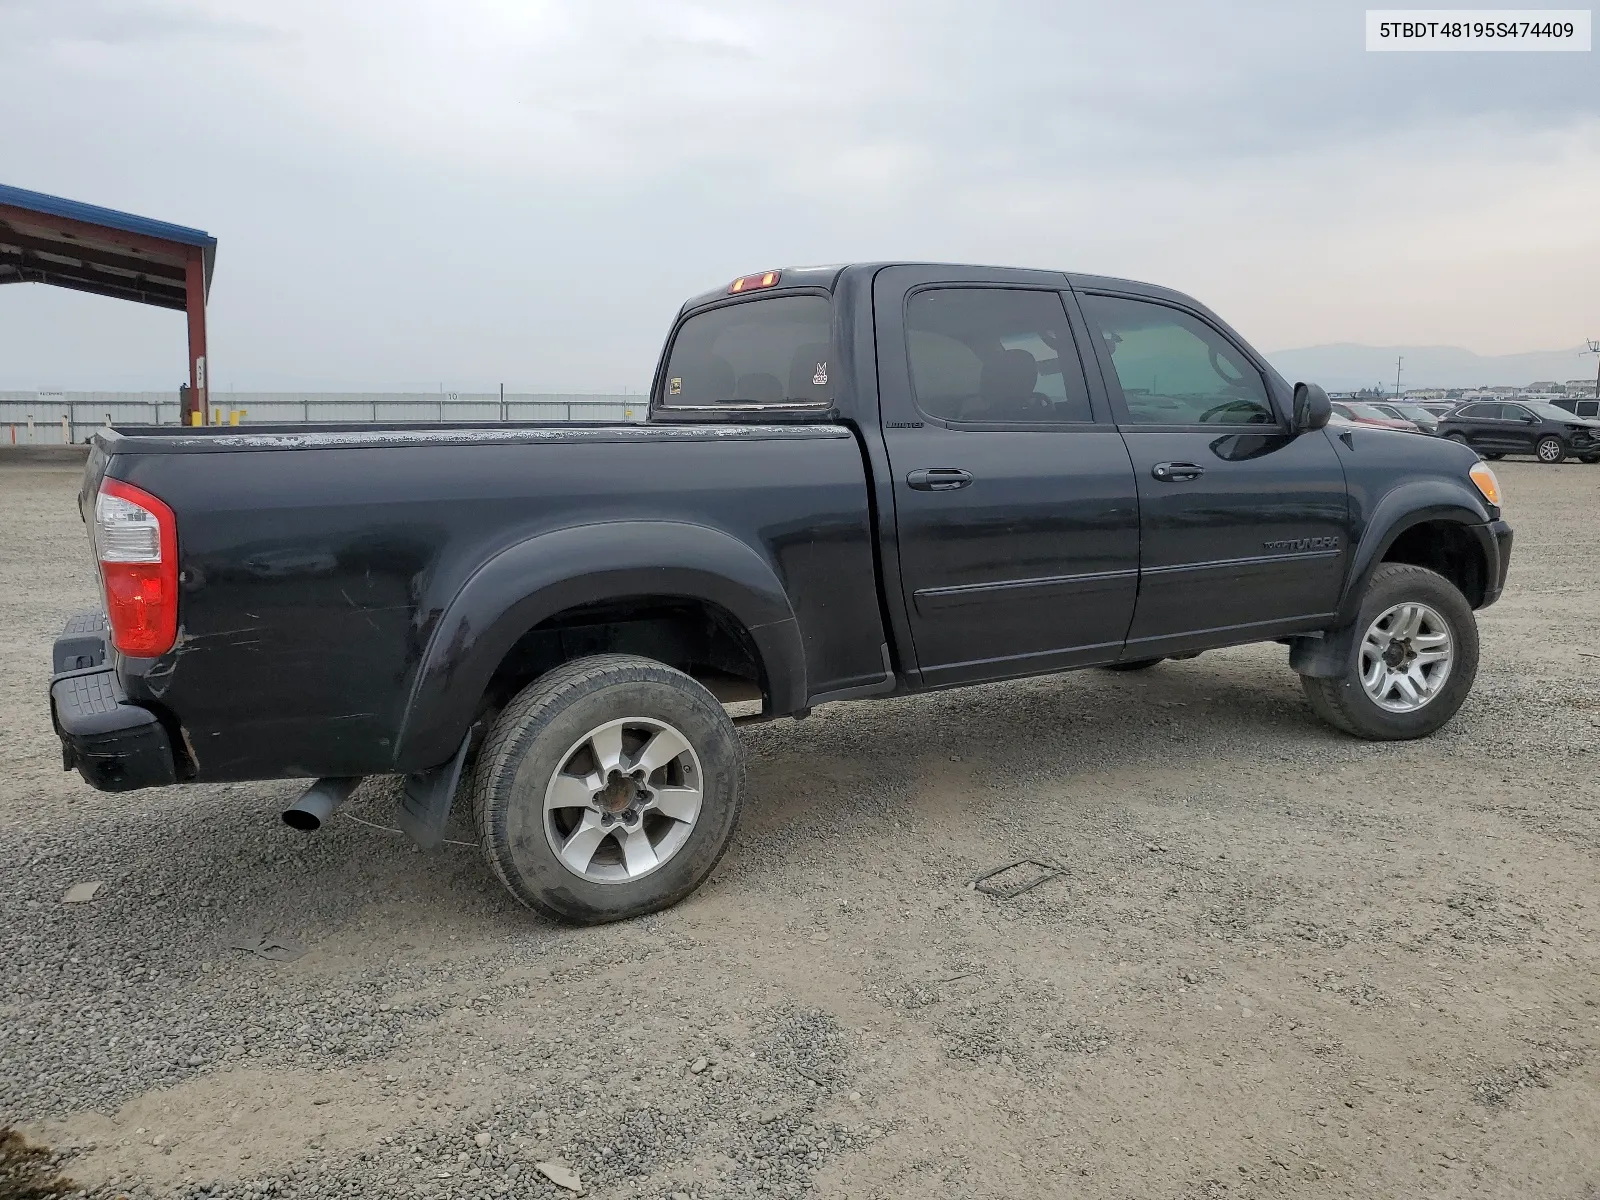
1475	412
994	355
1175	369
771	351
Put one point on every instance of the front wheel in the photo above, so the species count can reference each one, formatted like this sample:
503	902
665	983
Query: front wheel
1550	450
1590	458
608	788
1459	439
1413	662
1495	457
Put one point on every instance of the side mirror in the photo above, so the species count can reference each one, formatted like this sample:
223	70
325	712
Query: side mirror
1311	407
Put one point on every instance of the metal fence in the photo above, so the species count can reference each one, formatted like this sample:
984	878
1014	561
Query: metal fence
54	418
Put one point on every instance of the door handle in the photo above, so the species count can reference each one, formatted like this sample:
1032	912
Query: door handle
1177	472
939	479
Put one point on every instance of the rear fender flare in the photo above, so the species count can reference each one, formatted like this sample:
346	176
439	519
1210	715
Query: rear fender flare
533	580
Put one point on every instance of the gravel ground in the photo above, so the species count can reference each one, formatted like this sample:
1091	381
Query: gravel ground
1273	961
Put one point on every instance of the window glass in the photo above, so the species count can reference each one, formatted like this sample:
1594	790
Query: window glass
998	355
1175	369
1475	412
768	351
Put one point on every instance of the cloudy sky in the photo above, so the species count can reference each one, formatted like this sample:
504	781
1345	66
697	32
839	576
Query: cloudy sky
411	193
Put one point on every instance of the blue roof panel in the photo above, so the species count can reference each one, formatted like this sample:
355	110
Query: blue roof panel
93	214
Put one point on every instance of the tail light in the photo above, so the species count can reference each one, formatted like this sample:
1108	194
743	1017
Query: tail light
136	542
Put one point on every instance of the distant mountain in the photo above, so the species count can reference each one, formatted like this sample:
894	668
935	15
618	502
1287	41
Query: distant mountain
1345	366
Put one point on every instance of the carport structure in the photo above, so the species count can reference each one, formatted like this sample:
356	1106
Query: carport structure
49	239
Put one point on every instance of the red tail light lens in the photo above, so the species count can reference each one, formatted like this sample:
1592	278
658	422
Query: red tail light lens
136	542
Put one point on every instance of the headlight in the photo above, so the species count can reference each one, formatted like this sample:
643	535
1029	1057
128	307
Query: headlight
1484	480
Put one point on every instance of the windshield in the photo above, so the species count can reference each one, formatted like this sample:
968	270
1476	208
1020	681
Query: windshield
1414	411
1370	411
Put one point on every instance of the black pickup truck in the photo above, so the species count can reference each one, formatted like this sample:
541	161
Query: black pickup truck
854	482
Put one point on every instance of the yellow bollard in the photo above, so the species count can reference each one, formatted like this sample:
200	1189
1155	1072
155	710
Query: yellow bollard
233	416
197	418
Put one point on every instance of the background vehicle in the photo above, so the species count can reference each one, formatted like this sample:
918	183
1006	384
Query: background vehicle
1440	408
1578	406
1424	420
1549	433
1371	414
855	481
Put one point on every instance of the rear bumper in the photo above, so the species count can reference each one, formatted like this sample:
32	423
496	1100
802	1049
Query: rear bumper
115	745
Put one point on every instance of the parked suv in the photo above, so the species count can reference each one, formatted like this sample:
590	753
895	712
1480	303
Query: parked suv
1496	428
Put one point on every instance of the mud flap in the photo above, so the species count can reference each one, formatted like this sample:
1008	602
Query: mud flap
1323	655
425	803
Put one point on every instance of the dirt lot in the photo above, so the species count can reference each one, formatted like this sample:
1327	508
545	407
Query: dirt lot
1277	962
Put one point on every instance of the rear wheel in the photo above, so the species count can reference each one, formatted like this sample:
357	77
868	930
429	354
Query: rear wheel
1459	439
1495	457
1413	661
1136	664
608	788
1550	450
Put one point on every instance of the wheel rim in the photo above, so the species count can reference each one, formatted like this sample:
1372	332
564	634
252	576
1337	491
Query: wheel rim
623	800
1549	450
1406	657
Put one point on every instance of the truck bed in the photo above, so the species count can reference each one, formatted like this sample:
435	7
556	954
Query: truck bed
323	566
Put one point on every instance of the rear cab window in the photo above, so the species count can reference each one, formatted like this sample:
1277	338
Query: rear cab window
771	351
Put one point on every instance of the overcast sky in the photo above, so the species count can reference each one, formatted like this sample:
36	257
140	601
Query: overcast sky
410	193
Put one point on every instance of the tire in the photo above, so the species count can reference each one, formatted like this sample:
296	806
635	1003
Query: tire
1459	439
1495	457
1550	450
1344	701
1590	458
548	728
1137	664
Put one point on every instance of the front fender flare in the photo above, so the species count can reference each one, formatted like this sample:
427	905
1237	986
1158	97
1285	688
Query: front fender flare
1407	505
1403	508
533	580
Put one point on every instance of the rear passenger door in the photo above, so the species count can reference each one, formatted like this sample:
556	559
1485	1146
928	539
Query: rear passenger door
1016	511
1244	524
1486	427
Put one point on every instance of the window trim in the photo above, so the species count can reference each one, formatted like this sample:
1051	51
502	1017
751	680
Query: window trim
1113	382
658	385
1063	297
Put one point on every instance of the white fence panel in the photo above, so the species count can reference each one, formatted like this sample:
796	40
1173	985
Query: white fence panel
35	418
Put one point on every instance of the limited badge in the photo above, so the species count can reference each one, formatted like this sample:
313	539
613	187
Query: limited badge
675	387
821	377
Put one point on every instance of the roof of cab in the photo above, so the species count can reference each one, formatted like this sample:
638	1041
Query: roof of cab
827	277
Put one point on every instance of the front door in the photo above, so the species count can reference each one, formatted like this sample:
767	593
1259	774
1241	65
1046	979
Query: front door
1521	428
1244	525
1015	505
